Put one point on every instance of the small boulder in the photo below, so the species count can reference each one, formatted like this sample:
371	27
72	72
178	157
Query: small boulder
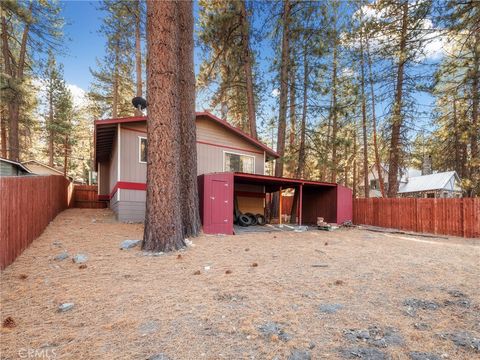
299	355
128	244
62	256
416	355
80	258
65	307
330	308
160	356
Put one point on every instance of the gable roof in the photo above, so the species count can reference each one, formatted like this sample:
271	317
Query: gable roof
105	132
436	181
16	164
25	163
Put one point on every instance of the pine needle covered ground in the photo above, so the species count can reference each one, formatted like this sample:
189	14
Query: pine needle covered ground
342	294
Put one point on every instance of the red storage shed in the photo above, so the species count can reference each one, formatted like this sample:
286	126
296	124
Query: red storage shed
217	193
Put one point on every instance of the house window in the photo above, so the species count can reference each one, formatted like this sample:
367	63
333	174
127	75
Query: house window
373	184
142	149
238	162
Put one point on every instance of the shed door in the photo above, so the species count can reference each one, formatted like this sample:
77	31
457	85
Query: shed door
219	206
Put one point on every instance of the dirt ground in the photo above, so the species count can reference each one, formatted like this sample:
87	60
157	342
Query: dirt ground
348	293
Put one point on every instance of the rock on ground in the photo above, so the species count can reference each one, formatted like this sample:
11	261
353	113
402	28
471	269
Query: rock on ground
365	353
330	308
80	258
62	256
374	335
464	339
415	355
128	244
271	328
65	307
160	356
299	355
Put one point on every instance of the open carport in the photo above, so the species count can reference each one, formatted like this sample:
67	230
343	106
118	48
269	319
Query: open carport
218	192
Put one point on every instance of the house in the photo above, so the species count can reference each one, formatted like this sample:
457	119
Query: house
439	185
12	168
418	183
39	168
230	166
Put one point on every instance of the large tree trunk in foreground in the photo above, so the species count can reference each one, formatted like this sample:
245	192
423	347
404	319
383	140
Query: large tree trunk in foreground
189	185
247	66
394	160
171	102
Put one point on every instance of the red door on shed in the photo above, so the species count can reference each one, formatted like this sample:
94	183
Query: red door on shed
218	203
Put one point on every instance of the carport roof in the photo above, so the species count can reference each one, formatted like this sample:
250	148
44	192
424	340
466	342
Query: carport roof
273	182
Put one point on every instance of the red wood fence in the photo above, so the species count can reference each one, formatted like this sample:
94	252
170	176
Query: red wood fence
27	205
85	196
458	217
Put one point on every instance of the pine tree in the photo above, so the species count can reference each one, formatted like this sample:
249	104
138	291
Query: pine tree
28	29
229	62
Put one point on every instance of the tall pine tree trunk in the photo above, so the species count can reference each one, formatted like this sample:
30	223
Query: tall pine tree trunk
474	132
397	116
300	171
247	67
50	127
284	67
334	117
138	54
116	80
282	115
164	228
364	120
3	132
378	166
189	185
292	103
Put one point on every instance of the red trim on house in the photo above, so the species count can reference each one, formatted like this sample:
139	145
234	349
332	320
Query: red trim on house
126	186
250	194
121	120
228	147
280	180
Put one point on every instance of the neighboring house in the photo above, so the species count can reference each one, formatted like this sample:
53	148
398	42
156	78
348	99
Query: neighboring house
39	168
12	168
120	152
230	168
438	185
413	184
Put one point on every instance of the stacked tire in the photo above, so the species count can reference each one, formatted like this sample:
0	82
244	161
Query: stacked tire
249	219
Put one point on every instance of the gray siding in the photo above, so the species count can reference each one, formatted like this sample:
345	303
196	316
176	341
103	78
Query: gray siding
132	169
213	140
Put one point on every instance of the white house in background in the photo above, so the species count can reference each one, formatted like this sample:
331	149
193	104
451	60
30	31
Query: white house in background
413	184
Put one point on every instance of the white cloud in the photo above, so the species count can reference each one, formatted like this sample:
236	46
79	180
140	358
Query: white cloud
434	41
79	96
275	92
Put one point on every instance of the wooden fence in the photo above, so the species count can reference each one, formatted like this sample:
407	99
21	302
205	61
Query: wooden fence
458	217
85	196
27	205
